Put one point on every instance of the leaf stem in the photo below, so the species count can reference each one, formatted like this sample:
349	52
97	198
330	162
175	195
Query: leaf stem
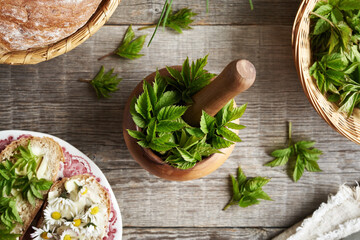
105	56
290	130
147	27
207	6
323	18
227	205
159	22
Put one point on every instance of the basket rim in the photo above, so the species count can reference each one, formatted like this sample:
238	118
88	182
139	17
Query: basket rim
36	55
300	17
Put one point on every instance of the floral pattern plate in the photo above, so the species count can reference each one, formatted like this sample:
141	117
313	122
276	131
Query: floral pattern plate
75	163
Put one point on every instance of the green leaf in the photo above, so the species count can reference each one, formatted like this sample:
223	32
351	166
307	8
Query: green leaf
312	166
130	48
279	161
336	61
220	143
235	189
228	134
169	126
180	20
299	169
207	122
241	178
197	132
247	201
349	5
324	9
171	112
238	112
256	183
105	83
235	126
186	155
321	26
167	99
136	134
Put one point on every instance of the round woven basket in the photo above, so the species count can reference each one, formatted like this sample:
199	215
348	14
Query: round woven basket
37	55
349	127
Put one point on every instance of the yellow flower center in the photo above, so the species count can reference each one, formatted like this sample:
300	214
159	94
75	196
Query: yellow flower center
84	191
67	237
44	235
94	210
77	222
56	215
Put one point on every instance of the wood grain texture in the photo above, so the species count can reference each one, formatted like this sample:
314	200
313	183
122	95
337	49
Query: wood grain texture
48	98
200	233
221	12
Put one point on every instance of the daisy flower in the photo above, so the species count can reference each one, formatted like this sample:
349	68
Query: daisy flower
82	191
53	216
93	213
75	224
42	233
68	235
62	203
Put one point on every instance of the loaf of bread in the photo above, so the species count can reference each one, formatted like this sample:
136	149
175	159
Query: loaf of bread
26	24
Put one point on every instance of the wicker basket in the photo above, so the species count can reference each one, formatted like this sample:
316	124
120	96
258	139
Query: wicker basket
37	55
349	127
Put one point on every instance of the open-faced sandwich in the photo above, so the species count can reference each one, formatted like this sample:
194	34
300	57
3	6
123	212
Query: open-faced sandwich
76	208
73	208
28	168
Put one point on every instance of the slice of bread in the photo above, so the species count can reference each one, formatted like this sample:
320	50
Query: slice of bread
48	169
93	187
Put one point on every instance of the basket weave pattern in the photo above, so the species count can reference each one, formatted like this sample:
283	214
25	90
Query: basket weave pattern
33	56
349	127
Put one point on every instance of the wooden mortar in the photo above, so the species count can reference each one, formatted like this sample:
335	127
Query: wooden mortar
237	77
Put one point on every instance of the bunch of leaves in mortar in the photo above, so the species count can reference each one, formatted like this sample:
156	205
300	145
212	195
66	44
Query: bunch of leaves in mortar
158	110
104	83
7	235
302	154
129	47
247	192
191	79
335	47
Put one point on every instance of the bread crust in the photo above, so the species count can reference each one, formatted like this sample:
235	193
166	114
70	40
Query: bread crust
60	185
9	151
26	24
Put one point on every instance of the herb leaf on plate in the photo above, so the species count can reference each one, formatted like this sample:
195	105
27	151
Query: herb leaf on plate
302	154
247	191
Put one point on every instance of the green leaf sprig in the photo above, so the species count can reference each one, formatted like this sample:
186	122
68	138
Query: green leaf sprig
177	21
30	187
129	47
335	40
302	154
158	110
247	191
19	178
7	235
104	83
8	212
191	79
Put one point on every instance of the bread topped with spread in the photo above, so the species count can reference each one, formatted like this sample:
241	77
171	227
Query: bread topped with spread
26	24
77	208
28	168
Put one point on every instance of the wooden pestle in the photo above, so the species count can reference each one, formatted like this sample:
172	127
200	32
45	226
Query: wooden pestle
237	77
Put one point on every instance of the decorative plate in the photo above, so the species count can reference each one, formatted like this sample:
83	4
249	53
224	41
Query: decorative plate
75	163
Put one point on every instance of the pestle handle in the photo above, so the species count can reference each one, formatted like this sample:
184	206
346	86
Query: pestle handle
237	77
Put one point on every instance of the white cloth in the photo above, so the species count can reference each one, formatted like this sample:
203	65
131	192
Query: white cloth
336	219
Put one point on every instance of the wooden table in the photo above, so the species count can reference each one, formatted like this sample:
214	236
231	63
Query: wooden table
48	98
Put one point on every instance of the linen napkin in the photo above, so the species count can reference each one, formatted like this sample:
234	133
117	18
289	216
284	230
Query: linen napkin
336	219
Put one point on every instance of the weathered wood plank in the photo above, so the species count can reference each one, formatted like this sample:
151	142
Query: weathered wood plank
200	233
221	12
48	98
